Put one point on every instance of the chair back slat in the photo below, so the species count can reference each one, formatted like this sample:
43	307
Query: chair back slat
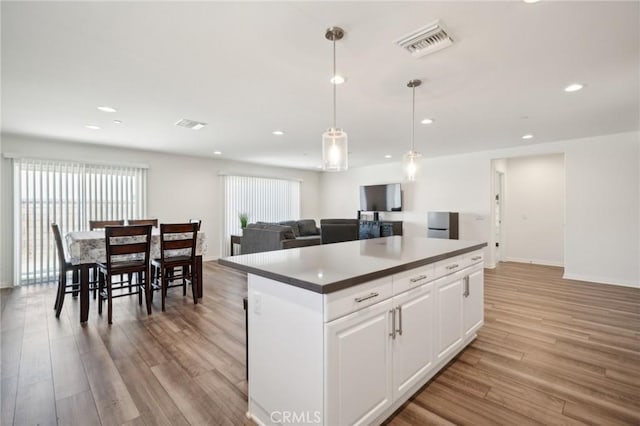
127	231
131	248
101	224
152	222
178	244
137	247
60	248
178	239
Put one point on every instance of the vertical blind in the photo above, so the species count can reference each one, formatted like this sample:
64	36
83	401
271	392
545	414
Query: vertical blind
262	199
69	194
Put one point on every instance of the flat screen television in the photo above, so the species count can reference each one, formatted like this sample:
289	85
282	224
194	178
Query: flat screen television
381	198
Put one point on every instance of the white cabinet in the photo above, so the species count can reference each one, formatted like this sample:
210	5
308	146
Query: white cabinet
473	301
359	365
449	314
413	344
354	356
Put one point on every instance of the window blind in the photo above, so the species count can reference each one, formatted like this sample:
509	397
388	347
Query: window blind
69	194
262	199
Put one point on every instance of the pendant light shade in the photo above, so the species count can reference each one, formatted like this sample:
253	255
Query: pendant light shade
335	149
412	159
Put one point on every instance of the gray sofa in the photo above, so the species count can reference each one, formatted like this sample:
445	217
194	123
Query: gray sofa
339	230
261	236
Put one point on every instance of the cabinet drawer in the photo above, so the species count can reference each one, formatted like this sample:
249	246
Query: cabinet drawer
354	298
472	258
413	278
448	266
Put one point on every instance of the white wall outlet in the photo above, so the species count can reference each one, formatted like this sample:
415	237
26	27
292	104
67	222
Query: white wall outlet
257	303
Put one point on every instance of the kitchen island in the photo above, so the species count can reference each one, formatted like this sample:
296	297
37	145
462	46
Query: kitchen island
345	333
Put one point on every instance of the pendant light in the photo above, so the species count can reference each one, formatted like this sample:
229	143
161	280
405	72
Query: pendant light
334	140
411	160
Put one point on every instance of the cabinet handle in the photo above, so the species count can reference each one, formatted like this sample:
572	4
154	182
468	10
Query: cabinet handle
466	286
362	299
393	323
476	258
399	309
454	266
418	278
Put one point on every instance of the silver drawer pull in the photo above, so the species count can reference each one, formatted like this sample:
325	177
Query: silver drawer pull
418	278
476	258
362	299
454	266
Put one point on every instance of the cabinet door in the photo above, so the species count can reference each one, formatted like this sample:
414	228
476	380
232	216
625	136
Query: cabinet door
359	366
473	302
413	347
449	311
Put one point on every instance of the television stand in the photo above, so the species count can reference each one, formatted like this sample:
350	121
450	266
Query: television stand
379	228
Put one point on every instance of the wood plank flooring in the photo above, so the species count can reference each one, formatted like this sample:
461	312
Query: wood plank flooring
552	351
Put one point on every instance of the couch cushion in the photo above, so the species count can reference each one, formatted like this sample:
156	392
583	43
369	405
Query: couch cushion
286	233
307	227
294	226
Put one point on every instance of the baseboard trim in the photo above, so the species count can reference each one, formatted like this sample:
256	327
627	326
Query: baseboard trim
601	280
534	261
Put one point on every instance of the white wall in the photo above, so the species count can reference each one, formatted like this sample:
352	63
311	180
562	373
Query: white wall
602	186
533	222
168	176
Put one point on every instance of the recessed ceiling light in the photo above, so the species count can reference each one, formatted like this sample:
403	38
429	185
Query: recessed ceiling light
574	87
92	126
531	1
217	153
527	137
278	132
117	121
427	121
337	79
387	156
106	109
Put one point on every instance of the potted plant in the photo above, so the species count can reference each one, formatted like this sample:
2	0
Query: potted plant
244	218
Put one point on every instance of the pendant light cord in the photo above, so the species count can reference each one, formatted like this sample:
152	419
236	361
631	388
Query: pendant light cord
413	119
334	82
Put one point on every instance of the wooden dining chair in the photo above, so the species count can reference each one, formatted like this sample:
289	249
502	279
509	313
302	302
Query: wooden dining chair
95	225
177	253
64	267
152	222
127	253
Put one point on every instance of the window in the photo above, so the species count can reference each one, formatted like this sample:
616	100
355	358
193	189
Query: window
262	199
69	194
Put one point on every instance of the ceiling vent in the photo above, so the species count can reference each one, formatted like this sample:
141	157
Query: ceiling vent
190	124
426	40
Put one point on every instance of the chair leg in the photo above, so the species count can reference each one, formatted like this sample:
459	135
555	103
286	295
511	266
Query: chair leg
194	284
185	270
100	288
109	299
94	278
165	284
61	291
130	282
140	283
148	292
55	305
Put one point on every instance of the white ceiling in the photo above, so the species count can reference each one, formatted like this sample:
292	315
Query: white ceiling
248	68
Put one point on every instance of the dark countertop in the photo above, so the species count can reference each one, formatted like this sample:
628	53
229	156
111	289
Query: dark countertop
332	267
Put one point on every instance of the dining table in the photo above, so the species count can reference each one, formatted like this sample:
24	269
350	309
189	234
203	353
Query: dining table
86	248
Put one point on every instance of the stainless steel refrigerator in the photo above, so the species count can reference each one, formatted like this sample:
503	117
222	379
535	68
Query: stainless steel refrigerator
442	225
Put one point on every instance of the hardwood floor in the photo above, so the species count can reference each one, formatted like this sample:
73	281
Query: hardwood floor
552	351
